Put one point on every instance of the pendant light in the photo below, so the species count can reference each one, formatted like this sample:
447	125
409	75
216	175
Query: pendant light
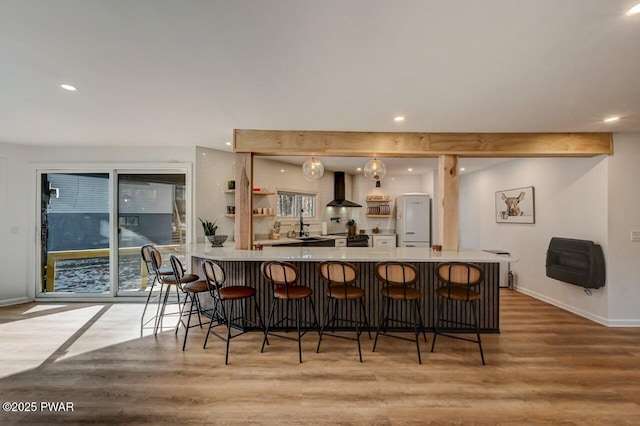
375	170
312	170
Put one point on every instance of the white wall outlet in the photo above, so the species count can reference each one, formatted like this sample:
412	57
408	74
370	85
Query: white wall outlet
635	236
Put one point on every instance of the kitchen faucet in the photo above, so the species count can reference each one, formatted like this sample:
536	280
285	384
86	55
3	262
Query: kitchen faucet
303	233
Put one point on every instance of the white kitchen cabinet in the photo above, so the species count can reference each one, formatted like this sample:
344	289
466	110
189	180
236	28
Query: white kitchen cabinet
341	242
384	240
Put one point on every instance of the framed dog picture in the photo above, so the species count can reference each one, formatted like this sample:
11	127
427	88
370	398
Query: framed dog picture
516	205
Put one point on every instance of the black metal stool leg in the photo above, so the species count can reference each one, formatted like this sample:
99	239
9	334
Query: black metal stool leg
313	311
366	320
437	325
424	333
161	314
215	314
255	303
355	303
266	330
186	331
475	321
325	322
226	357
416	330
384	315
298	328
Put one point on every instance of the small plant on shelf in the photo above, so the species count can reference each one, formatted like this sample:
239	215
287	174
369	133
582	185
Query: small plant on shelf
208	227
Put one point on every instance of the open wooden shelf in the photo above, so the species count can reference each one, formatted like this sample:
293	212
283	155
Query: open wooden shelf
380	215
378	198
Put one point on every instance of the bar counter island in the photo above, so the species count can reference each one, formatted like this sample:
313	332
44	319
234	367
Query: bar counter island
242	267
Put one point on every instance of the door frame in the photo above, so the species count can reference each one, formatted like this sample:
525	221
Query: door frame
113	169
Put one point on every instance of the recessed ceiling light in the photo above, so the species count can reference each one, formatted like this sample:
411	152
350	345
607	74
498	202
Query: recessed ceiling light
68	87
359	169
462	169
634	10
409	169
281	170
611	119
398	118
228	143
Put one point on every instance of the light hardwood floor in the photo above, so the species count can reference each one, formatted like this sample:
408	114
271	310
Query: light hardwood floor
546	367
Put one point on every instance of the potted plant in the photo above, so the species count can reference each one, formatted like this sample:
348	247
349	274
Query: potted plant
209	229
351	226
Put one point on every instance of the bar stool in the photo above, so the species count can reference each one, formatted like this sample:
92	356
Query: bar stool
216	277
192	286
283	277
458	278
145	253
165	280
340	278
398	279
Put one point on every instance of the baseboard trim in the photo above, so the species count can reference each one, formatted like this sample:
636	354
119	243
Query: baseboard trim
16	301
588	315
624	323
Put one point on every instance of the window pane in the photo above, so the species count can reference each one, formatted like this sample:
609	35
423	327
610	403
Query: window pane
286	203
151	210
75	232
290	203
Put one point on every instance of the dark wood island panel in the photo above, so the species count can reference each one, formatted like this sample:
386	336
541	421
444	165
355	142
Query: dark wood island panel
247	272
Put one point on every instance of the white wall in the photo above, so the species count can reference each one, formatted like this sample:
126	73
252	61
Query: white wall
623	256
570	201
213	170
18	230
14	227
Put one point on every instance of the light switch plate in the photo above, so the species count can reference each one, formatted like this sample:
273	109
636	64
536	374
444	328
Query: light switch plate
635	236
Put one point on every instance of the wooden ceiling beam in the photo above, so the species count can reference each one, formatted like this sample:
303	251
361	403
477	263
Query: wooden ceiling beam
387	144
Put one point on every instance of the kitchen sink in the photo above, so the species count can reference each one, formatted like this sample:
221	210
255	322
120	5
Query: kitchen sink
311	238
314	242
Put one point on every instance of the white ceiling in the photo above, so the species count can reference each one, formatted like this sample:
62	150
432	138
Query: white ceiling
160	72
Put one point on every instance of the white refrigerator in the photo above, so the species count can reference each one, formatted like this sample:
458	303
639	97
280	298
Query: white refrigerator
413	220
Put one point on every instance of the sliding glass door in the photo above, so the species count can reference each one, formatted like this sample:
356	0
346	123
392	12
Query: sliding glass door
93	226
151	210
75	226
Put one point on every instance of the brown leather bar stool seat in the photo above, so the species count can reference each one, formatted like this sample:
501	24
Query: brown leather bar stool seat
283	278
344	292
292	292
459	280
398	293
458	294
226	300
340	278
192	287
398	280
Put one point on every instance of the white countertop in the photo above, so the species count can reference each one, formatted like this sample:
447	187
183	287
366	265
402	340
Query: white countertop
351	254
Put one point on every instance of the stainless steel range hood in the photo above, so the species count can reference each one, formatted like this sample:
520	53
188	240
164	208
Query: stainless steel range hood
339	191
